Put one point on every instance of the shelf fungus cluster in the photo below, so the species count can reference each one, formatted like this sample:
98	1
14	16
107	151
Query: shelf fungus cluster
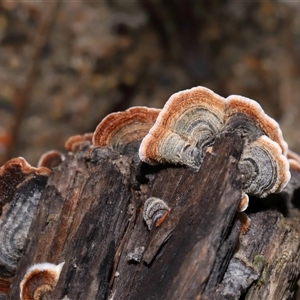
182	133
191	121
39	281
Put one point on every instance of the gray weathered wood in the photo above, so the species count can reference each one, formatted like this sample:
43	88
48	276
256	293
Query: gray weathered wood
90	216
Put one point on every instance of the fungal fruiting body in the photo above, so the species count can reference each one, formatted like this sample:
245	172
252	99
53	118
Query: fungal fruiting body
294	183
15	223
39	280
120	129
12	173
264	169
243	205
21	186
263	164
294	161
190	122
187	125
248	117
155	211
50	159
172	149
74	142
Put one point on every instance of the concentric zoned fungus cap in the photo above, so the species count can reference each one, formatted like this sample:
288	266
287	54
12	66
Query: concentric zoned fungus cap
155	211
39	281
187	125
264	169
21	186
12	173
121	129
247	116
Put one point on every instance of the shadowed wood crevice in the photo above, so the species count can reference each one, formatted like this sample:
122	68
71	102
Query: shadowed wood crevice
91	216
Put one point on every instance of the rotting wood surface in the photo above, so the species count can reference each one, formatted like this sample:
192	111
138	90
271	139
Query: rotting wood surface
90	216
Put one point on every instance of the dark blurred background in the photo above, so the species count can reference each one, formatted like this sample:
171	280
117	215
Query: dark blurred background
64	65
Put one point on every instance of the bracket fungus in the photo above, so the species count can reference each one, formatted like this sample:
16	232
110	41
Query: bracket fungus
155	211
264	169
291	190
39	281
12	173
244	202
51	159
294	161
74	142
121	130
190	122
21	186
187	125
247	116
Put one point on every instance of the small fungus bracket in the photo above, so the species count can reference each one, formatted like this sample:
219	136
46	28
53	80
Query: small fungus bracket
51	159
16	220
12	173
76	142
39	280
123	131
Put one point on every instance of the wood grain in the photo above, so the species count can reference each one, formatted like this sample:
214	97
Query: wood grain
90	216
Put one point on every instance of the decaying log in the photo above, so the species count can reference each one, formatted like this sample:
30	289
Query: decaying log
268	254
90	216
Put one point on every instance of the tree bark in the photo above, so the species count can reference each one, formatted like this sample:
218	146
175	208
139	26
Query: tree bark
90	216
